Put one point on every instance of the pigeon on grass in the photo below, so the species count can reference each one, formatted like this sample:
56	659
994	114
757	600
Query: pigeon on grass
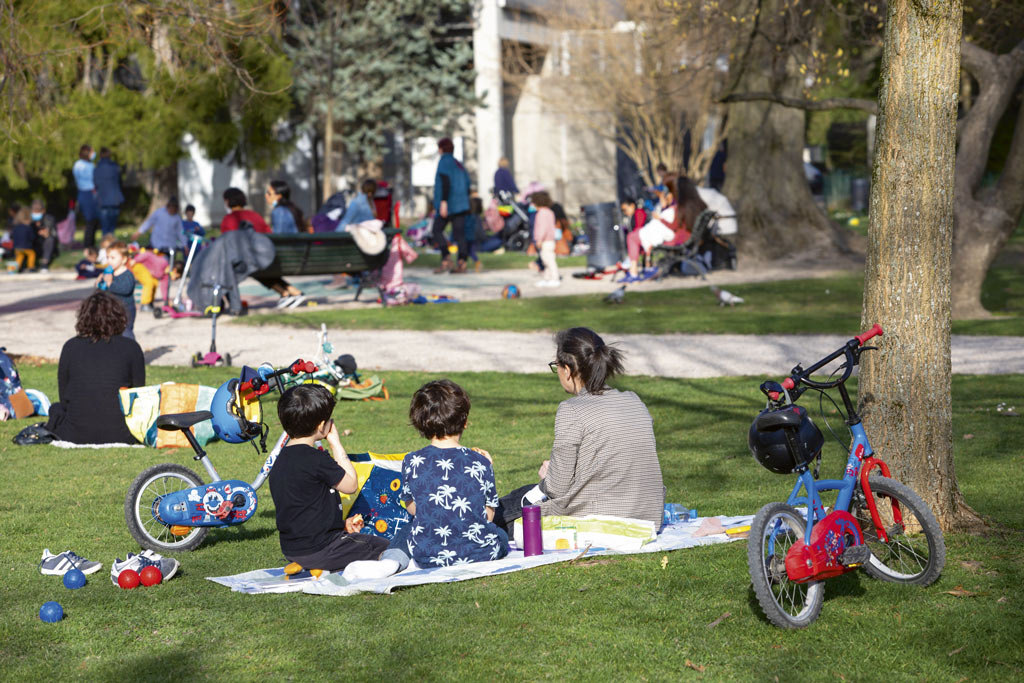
726	298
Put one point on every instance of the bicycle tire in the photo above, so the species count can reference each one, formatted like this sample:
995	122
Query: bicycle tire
916	551
143	496
787	604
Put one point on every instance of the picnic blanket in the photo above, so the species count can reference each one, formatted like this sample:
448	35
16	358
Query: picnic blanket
672	537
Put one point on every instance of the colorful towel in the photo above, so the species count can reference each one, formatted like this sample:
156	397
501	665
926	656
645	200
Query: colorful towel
672	537
142	405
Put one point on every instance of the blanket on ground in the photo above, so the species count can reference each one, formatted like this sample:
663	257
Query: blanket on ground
672	537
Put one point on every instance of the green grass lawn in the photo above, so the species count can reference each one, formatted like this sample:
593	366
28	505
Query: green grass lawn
819	306
628	618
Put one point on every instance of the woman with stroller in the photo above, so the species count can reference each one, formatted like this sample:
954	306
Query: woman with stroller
604	459
659	229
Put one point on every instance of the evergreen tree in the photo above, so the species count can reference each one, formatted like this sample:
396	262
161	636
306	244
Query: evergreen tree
137	77
366	68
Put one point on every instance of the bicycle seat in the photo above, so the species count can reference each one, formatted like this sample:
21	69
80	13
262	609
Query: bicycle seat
182	421
786	418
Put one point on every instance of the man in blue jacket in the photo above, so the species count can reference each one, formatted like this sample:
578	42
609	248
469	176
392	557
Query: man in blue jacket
451	204
107	179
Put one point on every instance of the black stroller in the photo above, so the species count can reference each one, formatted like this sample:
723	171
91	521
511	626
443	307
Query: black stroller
705	251
515	236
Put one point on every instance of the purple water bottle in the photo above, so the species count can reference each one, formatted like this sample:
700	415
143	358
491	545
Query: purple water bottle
532	540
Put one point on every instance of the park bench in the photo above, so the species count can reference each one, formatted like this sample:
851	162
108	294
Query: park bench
330	253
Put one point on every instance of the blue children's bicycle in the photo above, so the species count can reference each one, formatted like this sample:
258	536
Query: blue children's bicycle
168	507
876	522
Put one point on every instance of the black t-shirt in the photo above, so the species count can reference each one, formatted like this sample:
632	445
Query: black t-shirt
88	378
308	509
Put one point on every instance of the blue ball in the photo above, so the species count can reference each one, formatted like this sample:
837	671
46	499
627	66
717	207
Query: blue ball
74	579
51	612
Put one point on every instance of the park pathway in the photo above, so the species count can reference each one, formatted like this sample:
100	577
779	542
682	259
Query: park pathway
37	317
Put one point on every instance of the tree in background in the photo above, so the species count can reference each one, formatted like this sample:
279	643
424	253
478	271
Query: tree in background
137	77
368	68
987	213
905	389
650	68
990	155
778	58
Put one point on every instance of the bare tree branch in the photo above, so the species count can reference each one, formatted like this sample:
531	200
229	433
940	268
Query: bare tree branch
870	106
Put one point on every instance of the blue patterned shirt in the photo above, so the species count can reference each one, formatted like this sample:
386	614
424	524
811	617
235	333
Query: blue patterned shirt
452	487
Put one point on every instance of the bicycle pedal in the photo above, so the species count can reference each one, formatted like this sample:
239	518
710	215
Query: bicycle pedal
855	555
178	530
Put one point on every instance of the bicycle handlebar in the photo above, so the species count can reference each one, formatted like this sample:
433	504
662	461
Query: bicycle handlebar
801	376
875	331
261	384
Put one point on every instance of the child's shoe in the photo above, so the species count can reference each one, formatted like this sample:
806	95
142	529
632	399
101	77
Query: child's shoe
168	566
59	565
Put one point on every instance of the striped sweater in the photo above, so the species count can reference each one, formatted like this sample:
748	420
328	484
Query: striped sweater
604	459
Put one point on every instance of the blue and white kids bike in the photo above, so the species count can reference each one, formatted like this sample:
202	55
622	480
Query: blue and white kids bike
168	507
876	522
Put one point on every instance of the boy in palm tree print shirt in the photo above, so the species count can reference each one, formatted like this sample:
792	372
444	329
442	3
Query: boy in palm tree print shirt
448	488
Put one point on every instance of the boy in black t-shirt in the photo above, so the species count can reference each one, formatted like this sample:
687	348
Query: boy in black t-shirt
303	484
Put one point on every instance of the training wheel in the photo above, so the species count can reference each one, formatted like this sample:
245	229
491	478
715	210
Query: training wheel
158	312
227	358
197	360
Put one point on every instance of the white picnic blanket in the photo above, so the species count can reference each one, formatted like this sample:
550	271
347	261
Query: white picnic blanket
672	537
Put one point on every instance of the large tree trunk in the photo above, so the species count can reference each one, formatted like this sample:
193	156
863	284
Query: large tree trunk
905	387
161	184
765	178
985	219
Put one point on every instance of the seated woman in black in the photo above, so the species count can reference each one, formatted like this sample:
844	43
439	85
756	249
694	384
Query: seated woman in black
93	366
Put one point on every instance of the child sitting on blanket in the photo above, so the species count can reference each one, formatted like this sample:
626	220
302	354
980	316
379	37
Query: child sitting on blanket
448	488
303	484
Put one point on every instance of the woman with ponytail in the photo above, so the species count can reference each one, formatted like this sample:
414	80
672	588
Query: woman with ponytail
604	458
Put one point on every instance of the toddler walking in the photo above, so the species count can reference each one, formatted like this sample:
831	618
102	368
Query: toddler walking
544	236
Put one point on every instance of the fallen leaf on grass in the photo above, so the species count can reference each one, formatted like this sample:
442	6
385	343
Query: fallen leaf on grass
1002	599
664	561
956	651
968	436
719	620
477	604
960	592
346	432
971	565
695	667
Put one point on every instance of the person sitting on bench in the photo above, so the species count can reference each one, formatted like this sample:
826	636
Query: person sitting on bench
238	217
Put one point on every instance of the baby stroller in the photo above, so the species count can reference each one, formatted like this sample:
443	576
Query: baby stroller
703	252
515	236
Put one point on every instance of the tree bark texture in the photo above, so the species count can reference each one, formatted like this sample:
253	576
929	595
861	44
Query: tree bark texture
905	386
162	184
985	218
765	178
328	184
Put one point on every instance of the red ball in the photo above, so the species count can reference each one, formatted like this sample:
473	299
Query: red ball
151	576
129	578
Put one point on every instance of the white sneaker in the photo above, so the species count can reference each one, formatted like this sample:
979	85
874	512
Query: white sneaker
59	565
168	566
284	301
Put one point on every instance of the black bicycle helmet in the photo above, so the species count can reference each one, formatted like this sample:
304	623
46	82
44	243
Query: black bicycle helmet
770	446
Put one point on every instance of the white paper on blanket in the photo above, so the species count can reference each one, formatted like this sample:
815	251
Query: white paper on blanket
601	531
672	537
